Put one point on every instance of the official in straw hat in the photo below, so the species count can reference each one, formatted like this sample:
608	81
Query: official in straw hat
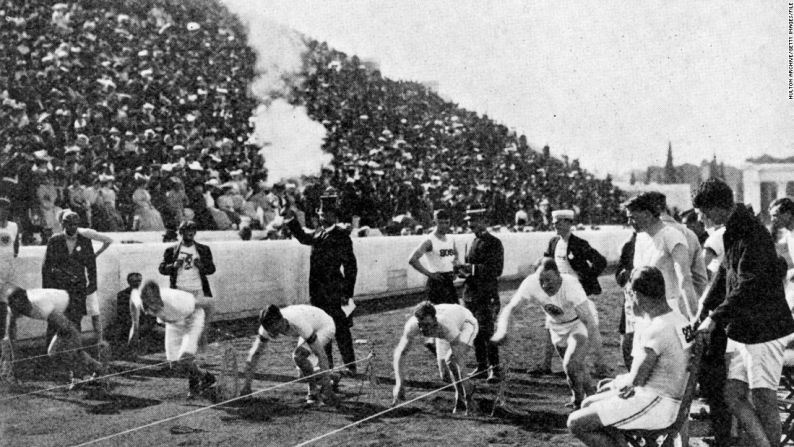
574	256
332	270
484	264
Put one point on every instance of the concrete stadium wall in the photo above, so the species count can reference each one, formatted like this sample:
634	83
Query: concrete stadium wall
253	274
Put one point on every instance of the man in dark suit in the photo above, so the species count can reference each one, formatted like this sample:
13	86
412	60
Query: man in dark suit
484	264
70	265
332	271
187	264
574	256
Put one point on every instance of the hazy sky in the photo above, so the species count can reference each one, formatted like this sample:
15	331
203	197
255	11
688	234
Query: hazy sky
606	82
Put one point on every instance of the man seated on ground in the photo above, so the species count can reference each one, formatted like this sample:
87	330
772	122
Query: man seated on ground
47	305
183	315
454	328
649	396
118	332
568	319
314	329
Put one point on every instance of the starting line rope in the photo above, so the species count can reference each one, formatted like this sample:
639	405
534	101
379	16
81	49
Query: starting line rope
392	408
55	353
234	399
82	382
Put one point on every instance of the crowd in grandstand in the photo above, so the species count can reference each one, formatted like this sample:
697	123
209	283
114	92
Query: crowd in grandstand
135	114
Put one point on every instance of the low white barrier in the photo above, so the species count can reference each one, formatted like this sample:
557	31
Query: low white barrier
252	274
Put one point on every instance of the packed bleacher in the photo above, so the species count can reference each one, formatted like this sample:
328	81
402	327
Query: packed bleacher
136	115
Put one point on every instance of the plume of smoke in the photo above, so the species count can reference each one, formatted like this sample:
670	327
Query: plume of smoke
291	142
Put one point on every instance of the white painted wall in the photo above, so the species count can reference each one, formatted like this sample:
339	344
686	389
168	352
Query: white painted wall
253	274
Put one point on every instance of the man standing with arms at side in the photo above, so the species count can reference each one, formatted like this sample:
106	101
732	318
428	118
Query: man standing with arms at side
187	264
753	310
332	271
484	264
574	256
70	265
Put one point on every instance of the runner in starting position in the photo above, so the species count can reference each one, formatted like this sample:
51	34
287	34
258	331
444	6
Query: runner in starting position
183	315
454	329
314	329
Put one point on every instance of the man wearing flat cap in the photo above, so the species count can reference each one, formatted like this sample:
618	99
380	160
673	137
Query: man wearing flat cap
332	271
574	256
484	264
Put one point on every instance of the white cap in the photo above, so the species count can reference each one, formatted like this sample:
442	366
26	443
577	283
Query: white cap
562	214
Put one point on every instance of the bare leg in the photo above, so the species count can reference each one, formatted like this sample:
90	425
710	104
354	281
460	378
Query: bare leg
575	366
586	426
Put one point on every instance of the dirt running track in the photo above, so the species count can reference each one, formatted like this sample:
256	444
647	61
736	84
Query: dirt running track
535	415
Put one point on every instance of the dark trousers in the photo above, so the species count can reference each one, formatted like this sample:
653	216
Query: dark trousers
487	353
712	378
442	292
343	337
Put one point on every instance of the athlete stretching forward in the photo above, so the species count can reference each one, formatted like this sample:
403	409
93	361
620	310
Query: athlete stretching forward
183	315
48	305
314	329
568	319
454	329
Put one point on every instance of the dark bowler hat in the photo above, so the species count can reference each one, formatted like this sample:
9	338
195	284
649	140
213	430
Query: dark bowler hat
329	201
475	214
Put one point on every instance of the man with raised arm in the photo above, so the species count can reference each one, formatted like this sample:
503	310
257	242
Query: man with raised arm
454	329
568	319
314	329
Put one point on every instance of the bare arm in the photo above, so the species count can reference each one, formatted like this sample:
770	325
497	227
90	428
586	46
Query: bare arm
402	347
503	321
681	263
414	260
135	315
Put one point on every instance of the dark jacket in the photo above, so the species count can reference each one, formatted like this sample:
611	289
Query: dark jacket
586	261
753	307
207	267
487	259
332	253
75	272
626	261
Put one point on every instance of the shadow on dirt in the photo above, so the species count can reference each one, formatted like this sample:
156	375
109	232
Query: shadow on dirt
116	403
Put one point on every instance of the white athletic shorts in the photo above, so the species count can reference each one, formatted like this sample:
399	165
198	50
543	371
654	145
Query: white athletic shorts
562	332
758	365
466	336
92	305
645	410
183	337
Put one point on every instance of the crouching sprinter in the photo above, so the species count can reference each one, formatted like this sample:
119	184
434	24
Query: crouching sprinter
314	329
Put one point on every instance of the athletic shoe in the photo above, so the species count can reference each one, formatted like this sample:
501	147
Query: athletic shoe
494	376
312	397
193	387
